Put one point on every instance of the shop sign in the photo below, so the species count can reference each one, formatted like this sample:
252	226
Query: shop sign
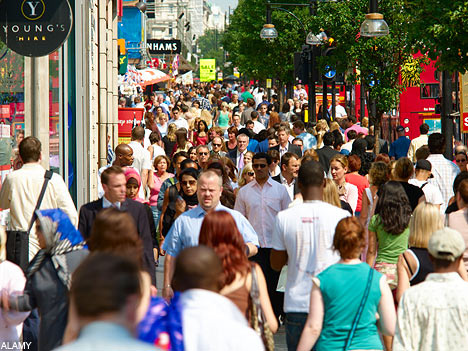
35	27
207	70
156	46
464	102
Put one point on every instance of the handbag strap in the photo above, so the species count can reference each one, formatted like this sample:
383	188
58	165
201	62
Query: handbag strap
48	174
254	292
359	311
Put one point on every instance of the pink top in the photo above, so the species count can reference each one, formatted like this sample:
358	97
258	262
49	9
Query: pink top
458	220
12	280
350	195
153	200
361	183
200	140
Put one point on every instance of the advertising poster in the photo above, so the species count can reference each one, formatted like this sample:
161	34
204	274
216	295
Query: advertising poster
207	70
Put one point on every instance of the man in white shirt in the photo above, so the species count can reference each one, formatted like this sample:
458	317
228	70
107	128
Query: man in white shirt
303	239
340	111
258	127
141	157
288	177
352	135
443	170
299	90
21	188
432	315
260	201
177	119
263	115
210	322
416	143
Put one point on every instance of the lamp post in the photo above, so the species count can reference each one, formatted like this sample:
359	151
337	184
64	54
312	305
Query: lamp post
374	25
269	32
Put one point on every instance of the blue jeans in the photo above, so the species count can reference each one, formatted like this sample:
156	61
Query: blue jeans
294	324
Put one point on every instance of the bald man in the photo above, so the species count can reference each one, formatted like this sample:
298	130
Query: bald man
209	320
123	158
186	228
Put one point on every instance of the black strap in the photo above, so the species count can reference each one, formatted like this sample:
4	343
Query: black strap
422	186
359	311
409	267
48	174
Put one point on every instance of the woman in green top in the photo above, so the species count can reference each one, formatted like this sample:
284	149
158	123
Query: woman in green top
388	230
223	119
337	295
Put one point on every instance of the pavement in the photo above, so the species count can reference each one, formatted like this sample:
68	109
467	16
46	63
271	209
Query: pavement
280	336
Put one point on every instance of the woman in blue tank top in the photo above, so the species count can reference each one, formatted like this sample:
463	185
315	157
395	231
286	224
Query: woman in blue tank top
343	289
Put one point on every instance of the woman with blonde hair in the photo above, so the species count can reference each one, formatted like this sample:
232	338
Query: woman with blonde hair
414	264
330	195
347	191
169	140
246	176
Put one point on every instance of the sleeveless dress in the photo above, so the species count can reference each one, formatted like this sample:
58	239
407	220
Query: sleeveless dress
424	265
240	297
342	287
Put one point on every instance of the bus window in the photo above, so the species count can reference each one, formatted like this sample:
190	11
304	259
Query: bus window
430	91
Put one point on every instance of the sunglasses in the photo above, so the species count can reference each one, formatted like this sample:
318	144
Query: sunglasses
203	153
188	182
259	165
459	160
216	144
251	174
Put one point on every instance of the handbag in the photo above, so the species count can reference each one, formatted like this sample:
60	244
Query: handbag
359	311
17	245
257	318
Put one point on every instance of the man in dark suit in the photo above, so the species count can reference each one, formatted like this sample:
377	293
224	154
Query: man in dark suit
326	153
284	144
114	184
288	177
237	155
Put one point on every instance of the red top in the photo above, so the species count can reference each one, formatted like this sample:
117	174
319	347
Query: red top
361	183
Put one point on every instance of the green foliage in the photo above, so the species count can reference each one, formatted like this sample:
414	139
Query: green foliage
259	58
438	28
210	45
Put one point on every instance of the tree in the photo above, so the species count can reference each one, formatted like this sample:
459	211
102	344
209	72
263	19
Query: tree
437	29
210	45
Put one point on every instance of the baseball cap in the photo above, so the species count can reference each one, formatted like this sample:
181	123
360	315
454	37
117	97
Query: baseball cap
425	165
446	244
400	129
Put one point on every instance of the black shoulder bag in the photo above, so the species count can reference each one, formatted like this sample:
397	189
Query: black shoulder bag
17	245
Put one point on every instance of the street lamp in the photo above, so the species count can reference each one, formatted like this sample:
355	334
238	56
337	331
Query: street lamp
318	39
374	25
268	31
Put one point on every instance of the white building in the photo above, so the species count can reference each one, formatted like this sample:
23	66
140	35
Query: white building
216	19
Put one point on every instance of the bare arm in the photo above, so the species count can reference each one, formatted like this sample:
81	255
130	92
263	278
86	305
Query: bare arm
372	249
364	209
169	264
462	271
144	178
150	180
313	326
73	324
278	259
387	312
403	277
265	301
253	249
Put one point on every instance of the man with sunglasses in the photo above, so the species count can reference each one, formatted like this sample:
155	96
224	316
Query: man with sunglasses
260	201
203	154
217	145
178	119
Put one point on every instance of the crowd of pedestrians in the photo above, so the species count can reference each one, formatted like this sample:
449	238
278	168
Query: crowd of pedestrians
262	221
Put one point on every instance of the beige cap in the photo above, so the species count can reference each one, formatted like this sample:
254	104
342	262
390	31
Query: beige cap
446	244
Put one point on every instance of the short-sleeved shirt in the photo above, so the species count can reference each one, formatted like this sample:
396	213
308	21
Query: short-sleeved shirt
413	192
390	245
306	233
399	148
186	229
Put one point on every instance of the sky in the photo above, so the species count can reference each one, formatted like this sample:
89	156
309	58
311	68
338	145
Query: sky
224	4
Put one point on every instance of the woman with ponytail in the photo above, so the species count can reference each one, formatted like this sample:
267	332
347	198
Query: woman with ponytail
219	231
346	297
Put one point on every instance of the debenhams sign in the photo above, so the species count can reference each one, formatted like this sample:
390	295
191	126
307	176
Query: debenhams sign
34	27
156	46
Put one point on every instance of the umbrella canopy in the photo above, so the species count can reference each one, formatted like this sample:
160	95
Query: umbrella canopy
231	77
151	76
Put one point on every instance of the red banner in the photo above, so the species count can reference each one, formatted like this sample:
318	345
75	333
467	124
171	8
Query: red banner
126	116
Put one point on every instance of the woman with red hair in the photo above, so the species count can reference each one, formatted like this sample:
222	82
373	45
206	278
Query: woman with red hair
219	231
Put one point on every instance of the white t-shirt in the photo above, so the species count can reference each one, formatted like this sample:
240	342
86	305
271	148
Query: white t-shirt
306	232
180	123
157	151
431	192
258	127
